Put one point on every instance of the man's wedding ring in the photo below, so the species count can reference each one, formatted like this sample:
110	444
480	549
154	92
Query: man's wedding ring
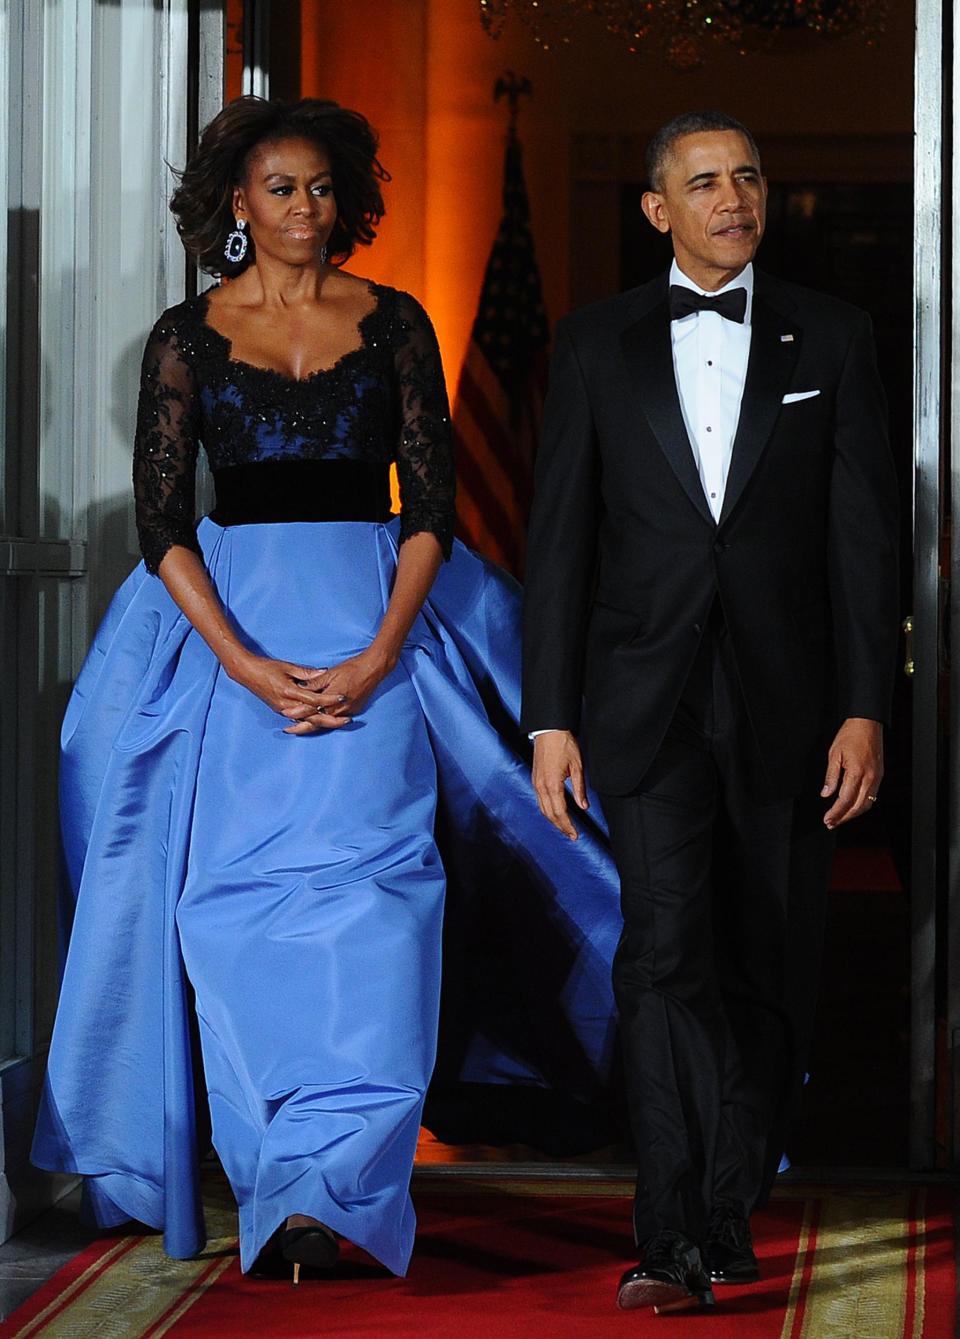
872	799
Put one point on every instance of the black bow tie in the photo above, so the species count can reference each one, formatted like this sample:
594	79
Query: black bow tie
732	305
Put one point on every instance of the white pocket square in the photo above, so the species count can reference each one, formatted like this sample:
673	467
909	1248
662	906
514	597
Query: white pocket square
794	396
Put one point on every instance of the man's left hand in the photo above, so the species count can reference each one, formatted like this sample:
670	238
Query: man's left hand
854	770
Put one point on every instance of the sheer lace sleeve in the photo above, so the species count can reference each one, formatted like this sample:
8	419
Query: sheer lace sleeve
165	450
425	449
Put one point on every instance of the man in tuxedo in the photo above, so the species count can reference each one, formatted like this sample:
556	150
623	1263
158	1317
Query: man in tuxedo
712	587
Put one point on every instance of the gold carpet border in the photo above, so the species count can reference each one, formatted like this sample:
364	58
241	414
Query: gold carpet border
127	1301
102	1262
193	1295
859	1279
799	1269
920	1265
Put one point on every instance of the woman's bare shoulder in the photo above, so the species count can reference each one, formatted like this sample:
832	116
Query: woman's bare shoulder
347	281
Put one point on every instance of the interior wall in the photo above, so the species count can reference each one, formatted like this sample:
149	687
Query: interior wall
373	56
423	71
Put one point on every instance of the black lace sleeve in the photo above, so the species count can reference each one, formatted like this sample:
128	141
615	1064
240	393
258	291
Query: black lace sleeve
165	450
425	449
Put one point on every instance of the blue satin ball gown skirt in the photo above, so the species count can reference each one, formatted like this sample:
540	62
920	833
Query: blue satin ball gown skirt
274	903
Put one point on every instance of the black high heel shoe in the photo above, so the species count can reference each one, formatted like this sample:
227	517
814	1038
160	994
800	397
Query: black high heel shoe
314	1245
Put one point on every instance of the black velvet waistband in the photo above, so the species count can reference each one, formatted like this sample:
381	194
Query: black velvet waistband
302	490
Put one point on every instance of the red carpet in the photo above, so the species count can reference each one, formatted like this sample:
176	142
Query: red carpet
516	1261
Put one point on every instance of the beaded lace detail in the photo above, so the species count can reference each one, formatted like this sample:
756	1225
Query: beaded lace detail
381	402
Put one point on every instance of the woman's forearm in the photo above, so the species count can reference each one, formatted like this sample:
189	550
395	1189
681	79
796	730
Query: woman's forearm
417	567
190	587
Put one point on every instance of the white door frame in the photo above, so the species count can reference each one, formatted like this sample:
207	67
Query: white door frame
928	433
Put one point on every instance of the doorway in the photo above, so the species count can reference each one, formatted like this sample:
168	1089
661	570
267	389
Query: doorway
855	210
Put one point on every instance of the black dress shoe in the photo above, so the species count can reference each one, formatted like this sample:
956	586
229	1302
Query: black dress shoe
727	1249
669	1277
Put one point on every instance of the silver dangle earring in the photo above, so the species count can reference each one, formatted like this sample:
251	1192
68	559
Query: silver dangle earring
323	254
237	243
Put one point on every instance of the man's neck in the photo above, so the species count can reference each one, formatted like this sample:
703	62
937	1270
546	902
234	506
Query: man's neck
710	280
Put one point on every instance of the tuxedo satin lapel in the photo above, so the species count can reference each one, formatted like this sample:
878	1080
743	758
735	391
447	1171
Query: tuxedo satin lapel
769	370
649	357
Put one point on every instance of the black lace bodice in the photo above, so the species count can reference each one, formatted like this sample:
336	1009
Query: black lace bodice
383	402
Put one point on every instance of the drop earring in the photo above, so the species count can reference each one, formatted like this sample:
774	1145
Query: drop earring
323	254
237	243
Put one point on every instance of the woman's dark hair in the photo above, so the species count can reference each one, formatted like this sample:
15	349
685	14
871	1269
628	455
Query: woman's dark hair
203	201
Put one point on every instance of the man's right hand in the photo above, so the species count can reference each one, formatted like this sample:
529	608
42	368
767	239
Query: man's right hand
556	756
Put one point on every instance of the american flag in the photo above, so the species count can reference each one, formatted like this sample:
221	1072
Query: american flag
502	384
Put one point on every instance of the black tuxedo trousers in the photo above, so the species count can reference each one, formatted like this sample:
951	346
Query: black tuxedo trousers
723	895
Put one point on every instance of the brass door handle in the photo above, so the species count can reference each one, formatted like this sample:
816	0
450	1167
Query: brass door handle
908	665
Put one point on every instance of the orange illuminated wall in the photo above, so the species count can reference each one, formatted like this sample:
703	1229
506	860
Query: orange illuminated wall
371	56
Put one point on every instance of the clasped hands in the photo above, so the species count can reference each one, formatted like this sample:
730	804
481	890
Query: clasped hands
314	699
854	773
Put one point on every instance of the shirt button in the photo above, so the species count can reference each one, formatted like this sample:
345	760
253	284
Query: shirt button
709	362
713	495
709	430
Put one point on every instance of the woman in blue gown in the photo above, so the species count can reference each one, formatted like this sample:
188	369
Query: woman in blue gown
257	744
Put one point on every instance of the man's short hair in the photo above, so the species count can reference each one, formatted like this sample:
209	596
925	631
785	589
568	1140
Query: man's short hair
661	147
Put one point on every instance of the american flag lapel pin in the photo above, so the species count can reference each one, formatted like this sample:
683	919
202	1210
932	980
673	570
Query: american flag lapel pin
786	339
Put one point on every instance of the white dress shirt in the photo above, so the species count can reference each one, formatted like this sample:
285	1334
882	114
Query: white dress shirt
710	357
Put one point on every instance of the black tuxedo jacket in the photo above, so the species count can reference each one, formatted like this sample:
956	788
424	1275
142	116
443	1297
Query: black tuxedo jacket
625	560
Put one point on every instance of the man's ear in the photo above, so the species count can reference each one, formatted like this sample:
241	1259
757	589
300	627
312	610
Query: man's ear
655	208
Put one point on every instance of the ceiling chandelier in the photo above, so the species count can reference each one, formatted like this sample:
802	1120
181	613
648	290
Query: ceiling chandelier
679	28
